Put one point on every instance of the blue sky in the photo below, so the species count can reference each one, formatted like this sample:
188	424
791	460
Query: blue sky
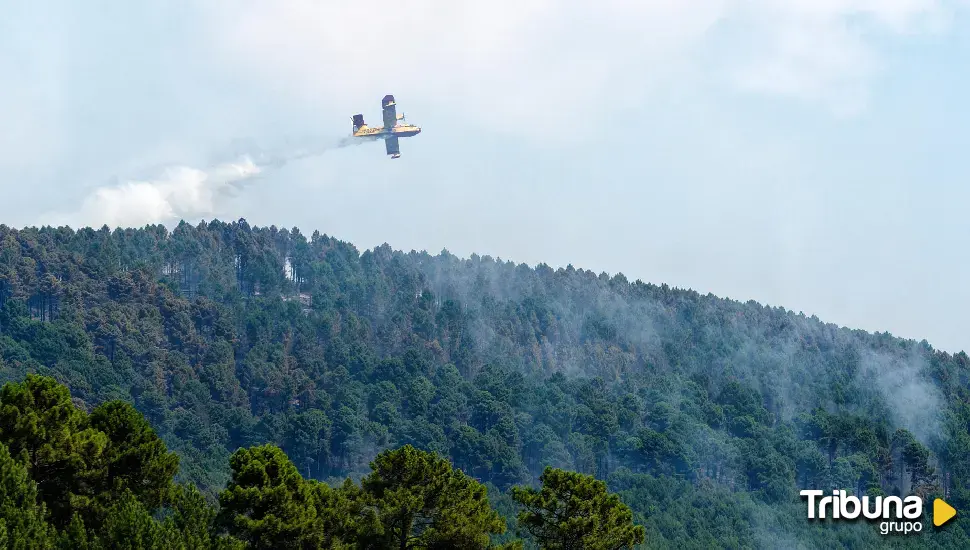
808	154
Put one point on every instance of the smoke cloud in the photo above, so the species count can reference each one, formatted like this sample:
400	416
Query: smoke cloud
913	400
180	192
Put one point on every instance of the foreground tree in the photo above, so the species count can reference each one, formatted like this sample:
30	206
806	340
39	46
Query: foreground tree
343	518
421	502
22	519
575	511
195	521
136	459
267	503
46	433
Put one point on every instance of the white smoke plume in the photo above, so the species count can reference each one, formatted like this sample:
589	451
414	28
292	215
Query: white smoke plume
913	400
178	192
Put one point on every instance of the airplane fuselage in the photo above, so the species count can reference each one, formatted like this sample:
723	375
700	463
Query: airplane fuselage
400	131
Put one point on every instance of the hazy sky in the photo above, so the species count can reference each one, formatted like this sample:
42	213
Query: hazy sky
804	153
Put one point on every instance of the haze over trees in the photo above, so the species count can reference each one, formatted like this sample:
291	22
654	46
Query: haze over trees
274	366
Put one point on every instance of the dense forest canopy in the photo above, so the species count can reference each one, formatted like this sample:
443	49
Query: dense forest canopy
705	415
103	480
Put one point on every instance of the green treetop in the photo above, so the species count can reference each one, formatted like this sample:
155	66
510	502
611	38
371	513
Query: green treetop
575	511
423	503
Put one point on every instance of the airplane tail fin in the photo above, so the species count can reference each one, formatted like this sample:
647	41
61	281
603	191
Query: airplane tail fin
358	122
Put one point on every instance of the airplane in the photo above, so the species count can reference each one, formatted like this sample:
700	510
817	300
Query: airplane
394	127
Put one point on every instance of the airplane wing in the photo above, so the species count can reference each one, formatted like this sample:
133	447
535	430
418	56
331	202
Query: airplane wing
392	147
390	111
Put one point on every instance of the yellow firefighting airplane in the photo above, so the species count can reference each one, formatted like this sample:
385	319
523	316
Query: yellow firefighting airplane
394	127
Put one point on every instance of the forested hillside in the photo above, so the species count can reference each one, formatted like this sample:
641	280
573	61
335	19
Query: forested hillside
705	415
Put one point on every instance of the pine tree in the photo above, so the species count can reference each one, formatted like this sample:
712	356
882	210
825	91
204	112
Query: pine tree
422	502
575	511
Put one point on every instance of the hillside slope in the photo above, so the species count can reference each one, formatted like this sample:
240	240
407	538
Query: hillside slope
225	335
